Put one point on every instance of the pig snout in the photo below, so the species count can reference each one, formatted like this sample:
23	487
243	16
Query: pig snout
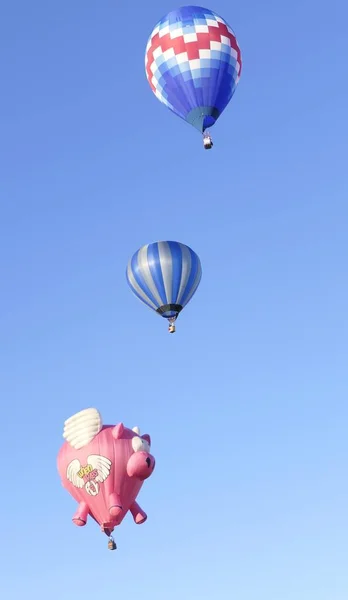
141	465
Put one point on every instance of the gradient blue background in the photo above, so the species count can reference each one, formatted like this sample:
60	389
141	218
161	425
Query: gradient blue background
247	403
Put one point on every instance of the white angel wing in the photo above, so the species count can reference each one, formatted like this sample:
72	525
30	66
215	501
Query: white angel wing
80	429
72	473
101	464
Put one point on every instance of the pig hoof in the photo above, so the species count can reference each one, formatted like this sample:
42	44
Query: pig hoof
115	511
79	522
140	518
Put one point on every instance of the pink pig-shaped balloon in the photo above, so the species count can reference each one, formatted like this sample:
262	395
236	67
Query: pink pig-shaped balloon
103	468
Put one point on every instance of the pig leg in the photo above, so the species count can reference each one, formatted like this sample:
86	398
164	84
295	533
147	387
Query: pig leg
138	514
80	517
115	506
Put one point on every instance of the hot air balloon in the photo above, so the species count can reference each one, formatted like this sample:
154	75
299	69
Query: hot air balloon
164	275
193	65
103	468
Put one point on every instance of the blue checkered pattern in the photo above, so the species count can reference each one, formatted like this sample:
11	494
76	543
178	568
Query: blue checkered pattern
193	64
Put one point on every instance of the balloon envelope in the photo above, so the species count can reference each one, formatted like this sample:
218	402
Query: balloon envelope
165	276
103	468
193	64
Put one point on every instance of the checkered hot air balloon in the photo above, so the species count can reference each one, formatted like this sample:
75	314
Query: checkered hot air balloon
193	64
164	275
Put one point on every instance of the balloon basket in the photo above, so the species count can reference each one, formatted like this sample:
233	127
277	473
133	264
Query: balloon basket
207	142
112	544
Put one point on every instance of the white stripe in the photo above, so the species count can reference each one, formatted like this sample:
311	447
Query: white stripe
195	284
166	261
138	289
146	273
185	271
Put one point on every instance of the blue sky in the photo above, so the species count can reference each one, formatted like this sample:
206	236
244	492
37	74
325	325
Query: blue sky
246	404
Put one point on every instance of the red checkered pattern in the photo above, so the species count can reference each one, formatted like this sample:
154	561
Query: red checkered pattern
203	42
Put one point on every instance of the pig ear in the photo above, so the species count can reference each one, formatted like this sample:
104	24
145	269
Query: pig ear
81	428
147	438
118	431
137	444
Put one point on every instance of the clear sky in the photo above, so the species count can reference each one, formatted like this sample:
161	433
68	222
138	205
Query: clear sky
247	403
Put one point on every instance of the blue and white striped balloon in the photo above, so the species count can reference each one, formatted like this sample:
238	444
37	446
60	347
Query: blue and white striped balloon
165	276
